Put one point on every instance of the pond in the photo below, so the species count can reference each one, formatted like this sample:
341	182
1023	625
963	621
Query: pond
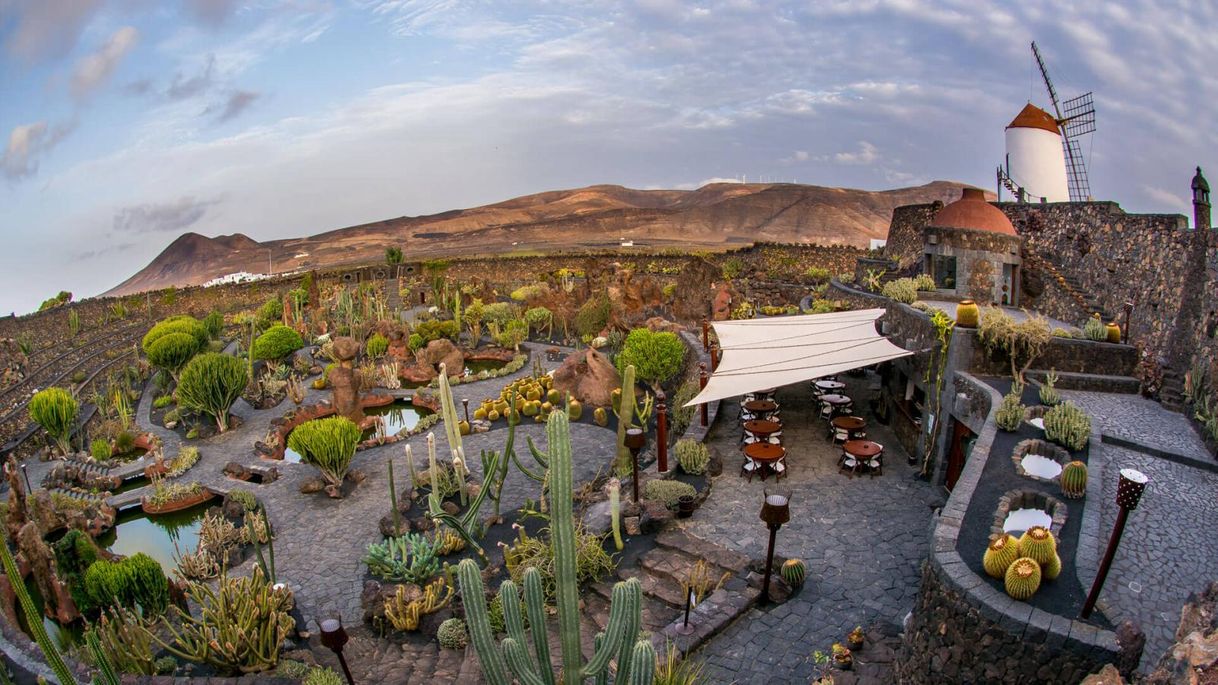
1020	520
399	416
1041	466
473	368
130	484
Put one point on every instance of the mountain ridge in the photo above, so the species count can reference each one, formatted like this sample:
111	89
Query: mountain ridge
597	216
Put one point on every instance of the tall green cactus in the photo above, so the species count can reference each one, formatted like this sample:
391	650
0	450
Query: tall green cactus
621	635
106	673
34	619
615	511
452	431
393	501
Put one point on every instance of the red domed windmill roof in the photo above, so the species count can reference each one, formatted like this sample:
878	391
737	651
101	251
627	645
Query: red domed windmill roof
972	212
1032	116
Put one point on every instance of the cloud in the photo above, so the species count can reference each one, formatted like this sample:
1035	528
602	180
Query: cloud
161	218
184	87
94	69
867	154
44	29
26	144
238	101
211	13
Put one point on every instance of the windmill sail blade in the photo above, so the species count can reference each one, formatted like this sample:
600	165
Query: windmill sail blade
1076	171
1079	115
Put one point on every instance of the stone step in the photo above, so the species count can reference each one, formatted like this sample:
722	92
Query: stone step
715	613
699	548
657	613
664	588
1092	382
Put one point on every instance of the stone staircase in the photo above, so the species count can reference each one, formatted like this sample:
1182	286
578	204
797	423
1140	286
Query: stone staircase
78	495
1073	287
1171	392
662	572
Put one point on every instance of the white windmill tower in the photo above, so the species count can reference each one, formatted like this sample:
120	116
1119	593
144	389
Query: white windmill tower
1044	161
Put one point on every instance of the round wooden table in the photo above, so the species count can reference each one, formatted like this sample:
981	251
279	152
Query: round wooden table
766	456
835	399
761	406
850	424
862	449
830	386
762	428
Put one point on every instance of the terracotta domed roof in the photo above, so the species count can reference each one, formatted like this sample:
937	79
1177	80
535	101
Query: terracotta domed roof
971	211
1032	116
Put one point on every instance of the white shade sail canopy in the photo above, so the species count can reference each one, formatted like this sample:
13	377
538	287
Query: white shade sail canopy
756	354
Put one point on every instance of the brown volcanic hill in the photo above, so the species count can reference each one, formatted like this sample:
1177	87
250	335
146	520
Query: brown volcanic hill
714	216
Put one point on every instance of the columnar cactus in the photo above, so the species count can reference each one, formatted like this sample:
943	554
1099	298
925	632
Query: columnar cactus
1023	578
1000	554
621	635
1074	479
615	511
1048	392
1038	544
1068	425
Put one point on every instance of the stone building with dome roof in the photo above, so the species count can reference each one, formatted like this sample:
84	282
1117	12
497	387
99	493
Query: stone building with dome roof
972	251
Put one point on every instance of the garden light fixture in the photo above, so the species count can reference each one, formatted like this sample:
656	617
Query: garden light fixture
1130	487
334	637
775	511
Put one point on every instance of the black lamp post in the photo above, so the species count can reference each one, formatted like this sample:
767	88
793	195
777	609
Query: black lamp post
775	511
465	405
334	637
635	439
1129	492
1128	315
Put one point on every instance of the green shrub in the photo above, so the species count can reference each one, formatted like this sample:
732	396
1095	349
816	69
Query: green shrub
656	357
99	449
539	318
171	352
1062	333
732	267
924	282
516	332
323	676
902	290
74	554
668	491
591	560
136	581
593	316
693	456
62	298
411	558
211	382
187	457
55	410
523	293
1095	329
377	346
817	274
500	313
329	444
1010	412
243	497
682	416
393	256
187	325
414	342
271	312
276	343
163	401
1068	425
434	330
213	323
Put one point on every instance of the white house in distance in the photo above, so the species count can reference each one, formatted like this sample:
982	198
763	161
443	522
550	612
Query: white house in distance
1035	160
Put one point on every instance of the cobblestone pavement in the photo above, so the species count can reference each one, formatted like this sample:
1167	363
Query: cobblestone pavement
863	539
320	541
1166	552
1141	421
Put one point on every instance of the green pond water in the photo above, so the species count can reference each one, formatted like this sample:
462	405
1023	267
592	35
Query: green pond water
133	532
473	368
398	416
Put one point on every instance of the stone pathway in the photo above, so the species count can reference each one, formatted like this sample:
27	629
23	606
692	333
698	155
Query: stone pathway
1141	421
1166	552
863	539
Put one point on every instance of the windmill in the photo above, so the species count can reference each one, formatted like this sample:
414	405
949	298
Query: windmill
1076	118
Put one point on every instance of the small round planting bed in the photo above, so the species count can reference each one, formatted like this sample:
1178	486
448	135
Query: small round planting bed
187	500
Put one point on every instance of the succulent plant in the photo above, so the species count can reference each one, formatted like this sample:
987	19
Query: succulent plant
1052	569
1095	329
1074	479
1010	412
1038	543
1023	578
1002	551
793	571
405	614
1068	425
668	491
452	634
600	417
410	557
692	455
1048	392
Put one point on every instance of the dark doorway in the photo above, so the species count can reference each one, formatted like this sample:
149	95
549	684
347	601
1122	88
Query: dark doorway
961	447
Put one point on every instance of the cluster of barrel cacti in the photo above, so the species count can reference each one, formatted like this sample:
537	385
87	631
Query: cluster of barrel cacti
1074	479
621	638
1022	563
1068	425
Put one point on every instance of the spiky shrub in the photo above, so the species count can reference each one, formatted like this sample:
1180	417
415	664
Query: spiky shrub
1068	425
1038	543
924	282
240	627
171	352
276	343
1010	412
213	323
210	383
1023	578
329	444
323	676
1052	569
794	571
123	636
591	561
1074	479
693	456
1048	392
411	558
668	491
376	346
1095	329
99	449
452	634
902	290
635	657
136	581
55	410
1002	551
656	356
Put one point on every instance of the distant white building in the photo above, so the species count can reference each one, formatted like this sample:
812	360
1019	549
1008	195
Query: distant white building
238	277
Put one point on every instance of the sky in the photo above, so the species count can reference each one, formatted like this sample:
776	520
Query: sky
124	123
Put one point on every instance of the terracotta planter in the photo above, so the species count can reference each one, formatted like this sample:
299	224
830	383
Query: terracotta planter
1114	332
967	314
177	505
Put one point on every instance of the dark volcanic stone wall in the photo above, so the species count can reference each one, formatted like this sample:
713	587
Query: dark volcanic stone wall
905	233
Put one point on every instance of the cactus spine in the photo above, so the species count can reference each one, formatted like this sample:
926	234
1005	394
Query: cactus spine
34	619
1023	578
625	612
1000	554
615	511
1038	544
794	571
1074	480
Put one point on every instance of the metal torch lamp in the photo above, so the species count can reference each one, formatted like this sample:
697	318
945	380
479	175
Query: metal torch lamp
635	439
334	637
1130	487
775	511
465	404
